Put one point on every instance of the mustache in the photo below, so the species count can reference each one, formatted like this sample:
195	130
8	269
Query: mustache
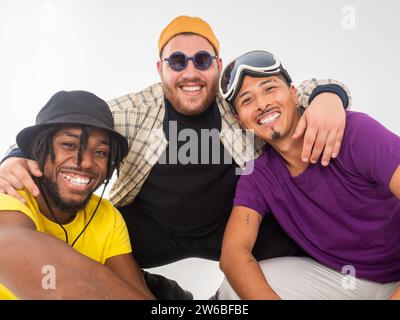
191	81
79	169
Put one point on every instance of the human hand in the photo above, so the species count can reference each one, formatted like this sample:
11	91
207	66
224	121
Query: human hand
16	173
323	123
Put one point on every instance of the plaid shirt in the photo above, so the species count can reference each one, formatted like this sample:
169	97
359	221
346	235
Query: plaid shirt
140	118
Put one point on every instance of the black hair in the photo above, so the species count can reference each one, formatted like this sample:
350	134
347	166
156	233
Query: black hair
42	146
284	79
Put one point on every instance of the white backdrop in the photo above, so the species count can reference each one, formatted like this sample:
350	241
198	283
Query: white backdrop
110	48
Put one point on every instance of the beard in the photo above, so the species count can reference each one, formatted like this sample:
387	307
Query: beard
190	106
275	134
52	193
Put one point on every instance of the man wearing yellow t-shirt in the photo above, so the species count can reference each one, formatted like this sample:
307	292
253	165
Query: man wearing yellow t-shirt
81	243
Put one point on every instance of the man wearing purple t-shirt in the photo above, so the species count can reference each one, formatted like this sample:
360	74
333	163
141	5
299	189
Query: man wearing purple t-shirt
346	216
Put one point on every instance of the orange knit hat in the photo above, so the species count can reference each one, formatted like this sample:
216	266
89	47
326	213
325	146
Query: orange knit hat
183	24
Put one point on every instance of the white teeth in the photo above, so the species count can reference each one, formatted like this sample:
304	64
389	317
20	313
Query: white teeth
269	119
197	88
80	181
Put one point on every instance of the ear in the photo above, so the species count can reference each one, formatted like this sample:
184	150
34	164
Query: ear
236	116
293	93
220	65
241	124
159	67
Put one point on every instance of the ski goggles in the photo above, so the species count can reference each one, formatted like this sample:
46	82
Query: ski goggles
254	63
178	61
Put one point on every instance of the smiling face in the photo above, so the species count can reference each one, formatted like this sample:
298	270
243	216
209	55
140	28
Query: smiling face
191	90
67	183
268	106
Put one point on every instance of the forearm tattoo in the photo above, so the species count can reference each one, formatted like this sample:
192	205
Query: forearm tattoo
247	220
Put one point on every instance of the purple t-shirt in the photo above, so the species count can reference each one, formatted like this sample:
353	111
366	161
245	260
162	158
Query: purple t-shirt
343	214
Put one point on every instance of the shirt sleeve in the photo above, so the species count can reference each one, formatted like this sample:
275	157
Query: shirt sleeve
121	243
332	88
249	195
306	91
8	203
375	150
14	151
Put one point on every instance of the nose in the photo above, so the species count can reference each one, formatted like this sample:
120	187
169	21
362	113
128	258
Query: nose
86	159
190	71
263	103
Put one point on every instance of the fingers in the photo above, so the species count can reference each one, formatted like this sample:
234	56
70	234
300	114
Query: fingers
338	143
15	173
308	143
21	181
14	181
329	148
29	184
33	168
332	146
7	188
301	127
319	146
316	142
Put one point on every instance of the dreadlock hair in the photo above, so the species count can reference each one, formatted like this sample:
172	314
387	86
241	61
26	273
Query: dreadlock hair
42	146
115	158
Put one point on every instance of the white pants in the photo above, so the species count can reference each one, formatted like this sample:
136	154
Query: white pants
300	278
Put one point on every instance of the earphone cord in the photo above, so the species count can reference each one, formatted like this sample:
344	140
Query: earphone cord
51	211
91	218
62	227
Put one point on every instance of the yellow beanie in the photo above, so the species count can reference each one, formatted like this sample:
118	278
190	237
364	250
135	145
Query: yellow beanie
183	24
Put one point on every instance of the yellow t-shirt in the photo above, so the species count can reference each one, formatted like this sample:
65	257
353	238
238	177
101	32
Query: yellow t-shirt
106	235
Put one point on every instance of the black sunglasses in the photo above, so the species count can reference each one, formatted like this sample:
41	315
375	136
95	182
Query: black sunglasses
178	61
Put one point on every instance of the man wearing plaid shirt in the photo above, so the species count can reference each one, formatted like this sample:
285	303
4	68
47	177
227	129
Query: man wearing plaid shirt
176	185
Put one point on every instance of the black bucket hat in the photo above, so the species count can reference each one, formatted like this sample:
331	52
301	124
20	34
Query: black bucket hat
72	107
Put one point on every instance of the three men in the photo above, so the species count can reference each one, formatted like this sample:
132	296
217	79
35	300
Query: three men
346	216
175	209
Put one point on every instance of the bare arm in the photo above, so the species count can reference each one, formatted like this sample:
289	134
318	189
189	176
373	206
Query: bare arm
24	252
237	262
126	268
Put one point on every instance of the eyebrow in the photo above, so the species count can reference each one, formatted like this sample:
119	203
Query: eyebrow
259	85
72	135
78	137
104	142
265	82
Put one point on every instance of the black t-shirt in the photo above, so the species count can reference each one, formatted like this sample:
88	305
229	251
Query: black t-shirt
190	190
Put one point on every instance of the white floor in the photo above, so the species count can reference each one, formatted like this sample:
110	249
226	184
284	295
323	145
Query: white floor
199	276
